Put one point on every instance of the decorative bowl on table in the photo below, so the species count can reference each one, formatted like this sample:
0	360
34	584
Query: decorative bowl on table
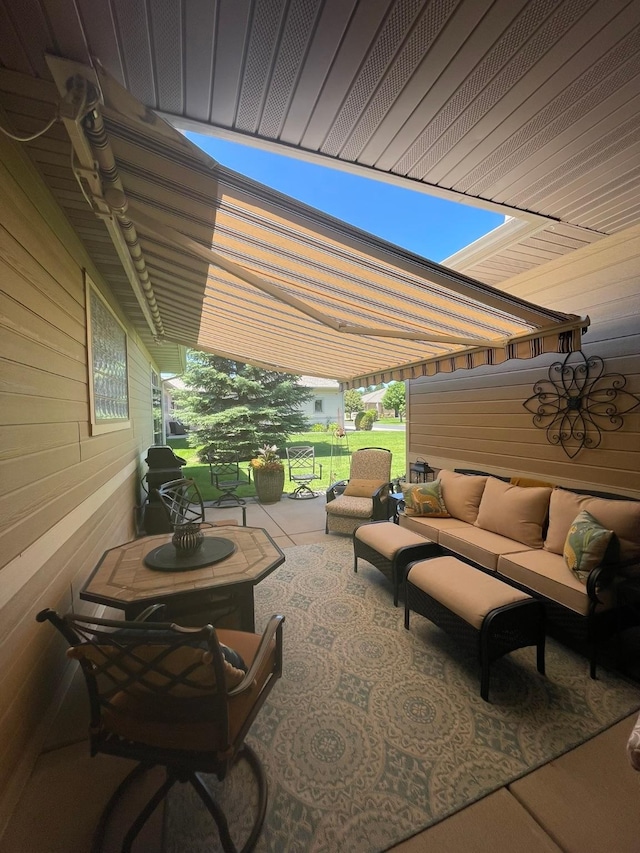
187	539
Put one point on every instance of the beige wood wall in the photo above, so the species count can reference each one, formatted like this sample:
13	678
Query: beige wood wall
475	418
66	495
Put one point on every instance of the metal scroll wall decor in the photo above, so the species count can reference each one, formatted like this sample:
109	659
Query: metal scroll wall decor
579	401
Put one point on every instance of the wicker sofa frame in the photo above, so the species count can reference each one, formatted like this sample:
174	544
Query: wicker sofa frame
585	633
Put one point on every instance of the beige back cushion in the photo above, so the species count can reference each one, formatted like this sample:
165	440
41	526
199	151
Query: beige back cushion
623	517
462	494
514	511
563	508
371	464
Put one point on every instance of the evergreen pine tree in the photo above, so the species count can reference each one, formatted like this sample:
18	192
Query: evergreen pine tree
237	407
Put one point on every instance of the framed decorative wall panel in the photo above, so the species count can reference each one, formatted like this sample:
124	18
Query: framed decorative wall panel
108	370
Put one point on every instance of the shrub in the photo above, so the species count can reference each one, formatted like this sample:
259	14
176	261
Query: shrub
368	419
332	427
317	428
358	420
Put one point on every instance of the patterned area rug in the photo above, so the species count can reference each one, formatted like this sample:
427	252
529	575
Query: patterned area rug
374	732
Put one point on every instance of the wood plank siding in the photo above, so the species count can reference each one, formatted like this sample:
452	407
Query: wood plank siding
66	495
475	418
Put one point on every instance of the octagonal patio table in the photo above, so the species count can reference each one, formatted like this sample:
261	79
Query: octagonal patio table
123	580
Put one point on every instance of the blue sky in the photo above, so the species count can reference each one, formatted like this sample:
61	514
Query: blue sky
428	226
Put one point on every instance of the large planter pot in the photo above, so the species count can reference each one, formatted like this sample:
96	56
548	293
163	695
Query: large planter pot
269	485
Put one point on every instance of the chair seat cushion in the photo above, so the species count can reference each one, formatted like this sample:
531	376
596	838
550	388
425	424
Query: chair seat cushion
350	506
187	724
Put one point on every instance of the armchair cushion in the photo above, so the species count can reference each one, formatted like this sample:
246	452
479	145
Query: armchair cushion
351	507
363	488
202	679
187	724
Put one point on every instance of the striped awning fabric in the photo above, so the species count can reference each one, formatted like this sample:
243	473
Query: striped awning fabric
235	268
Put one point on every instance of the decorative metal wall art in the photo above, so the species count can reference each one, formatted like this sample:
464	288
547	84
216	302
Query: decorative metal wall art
578	402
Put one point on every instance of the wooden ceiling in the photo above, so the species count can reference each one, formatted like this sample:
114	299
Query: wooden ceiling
530	107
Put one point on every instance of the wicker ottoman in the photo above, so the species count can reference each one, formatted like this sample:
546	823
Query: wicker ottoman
390	549
490	616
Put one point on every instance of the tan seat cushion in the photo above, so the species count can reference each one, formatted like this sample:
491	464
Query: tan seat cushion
514	511
352	507
478	545
430	527
549	575
462	494
462	589
386	538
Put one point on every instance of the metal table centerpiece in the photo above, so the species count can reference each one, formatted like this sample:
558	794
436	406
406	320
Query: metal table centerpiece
189	549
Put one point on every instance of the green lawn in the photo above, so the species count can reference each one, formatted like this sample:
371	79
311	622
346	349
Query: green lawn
334	467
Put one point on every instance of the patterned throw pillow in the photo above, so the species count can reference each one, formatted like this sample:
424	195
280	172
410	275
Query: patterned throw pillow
586	544
425	499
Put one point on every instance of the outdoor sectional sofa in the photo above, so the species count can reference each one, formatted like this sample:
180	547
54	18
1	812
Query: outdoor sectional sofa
518	529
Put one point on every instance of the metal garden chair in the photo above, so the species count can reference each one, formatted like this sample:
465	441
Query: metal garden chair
179	698
302	471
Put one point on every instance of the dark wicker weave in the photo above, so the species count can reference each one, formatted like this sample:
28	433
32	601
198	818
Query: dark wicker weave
503	630
394	570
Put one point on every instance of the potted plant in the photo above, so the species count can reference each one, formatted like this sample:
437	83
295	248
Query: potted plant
268	474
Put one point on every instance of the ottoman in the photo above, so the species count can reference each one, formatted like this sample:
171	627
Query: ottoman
390	549
481	611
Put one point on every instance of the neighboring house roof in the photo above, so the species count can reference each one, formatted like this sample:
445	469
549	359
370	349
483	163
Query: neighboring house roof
374	396
316	382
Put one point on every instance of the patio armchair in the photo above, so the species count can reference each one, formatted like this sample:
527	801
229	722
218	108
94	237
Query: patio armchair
301	460
364	496
179	698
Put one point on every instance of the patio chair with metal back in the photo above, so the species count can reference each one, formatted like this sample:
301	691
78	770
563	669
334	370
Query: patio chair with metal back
178	698
183	504
303	469
227	476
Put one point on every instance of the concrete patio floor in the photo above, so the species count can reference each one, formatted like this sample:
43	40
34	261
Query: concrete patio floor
288	522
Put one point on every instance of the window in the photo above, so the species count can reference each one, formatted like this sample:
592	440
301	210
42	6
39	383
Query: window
107	356
317	407
156	403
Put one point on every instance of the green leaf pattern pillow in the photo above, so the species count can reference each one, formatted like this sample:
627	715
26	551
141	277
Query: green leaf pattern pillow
425	499
585	545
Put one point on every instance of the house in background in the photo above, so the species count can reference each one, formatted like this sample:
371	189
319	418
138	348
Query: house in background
120	245
373	400
326	405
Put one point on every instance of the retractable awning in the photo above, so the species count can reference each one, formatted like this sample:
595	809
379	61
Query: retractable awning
222	263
